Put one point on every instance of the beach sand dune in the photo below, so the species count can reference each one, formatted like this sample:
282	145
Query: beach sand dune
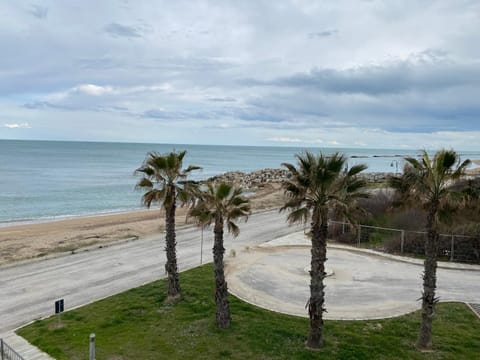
30	241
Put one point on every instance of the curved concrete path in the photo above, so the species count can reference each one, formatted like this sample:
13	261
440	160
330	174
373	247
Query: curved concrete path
364	285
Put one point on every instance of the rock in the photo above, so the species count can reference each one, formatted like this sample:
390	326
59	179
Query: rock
259	178
252	180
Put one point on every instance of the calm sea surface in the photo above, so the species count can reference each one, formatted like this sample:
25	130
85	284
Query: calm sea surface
41	180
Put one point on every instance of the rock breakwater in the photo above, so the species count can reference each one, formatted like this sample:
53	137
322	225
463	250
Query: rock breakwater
259	178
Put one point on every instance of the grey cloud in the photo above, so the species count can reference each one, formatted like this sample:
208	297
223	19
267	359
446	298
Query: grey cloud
98	63
35	105
221	99
395	78
397	113
119	30
38	105
249	114
40	12
191	63
299	107
42	105
163	114
256	114
322	34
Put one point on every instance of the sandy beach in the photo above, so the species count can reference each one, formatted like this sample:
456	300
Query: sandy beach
475	171
37	240
30	241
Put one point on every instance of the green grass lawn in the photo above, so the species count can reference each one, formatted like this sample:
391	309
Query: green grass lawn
138	324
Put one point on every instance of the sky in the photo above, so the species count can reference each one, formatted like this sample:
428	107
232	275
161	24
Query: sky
371	73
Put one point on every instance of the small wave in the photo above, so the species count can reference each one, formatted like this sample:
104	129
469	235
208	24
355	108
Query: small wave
47	219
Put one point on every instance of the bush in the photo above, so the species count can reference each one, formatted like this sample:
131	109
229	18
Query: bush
345	234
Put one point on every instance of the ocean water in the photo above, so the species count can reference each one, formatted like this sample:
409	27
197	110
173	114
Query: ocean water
43	180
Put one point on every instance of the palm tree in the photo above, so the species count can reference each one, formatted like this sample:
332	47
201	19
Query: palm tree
317	185
221	205
428	182
165	182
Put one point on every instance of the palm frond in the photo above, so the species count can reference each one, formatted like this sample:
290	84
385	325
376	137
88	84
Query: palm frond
223	191
414	163
144	183
430	182
147	170
181	155
233	228
290	168
163	173
300	215
191	168
356	169
154	195
221	201
319	183
460	171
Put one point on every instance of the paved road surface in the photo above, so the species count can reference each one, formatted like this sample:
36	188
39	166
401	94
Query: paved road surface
28	291
362	286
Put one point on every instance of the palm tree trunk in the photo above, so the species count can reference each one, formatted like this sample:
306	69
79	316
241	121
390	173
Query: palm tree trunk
424	341
317	287
170	248
223	317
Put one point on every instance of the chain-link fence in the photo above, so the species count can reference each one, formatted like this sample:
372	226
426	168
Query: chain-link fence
452	247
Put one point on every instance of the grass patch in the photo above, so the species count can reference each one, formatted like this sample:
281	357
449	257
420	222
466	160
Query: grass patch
138	324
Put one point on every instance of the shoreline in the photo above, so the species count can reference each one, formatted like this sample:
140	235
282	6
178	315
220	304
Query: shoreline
30	241
36	240
48	219
26	240
237	176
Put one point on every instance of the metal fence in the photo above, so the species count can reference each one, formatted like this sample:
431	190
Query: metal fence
7	353
452	247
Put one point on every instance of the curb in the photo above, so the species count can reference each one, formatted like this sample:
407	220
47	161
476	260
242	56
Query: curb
475	309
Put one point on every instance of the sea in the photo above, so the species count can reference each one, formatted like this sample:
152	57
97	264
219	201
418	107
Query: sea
50	180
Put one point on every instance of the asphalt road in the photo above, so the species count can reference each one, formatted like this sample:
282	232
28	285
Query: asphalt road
28	291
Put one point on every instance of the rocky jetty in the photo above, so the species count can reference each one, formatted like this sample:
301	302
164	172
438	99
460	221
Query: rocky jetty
259	178
377	177
252	180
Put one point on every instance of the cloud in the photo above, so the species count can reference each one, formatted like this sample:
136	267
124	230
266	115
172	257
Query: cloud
17	126
285	140
94	90
322	34
102	63
221	99
425	71
85	94
163	114
328	83
39	11
119	30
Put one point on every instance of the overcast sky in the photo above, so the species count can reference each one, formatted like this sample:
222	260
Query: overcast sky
381	74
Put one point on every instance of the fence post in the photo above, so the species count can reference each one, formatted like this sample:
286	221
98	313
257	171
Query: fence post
1	348
402	241
359	234
452	248
92	347
201	248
